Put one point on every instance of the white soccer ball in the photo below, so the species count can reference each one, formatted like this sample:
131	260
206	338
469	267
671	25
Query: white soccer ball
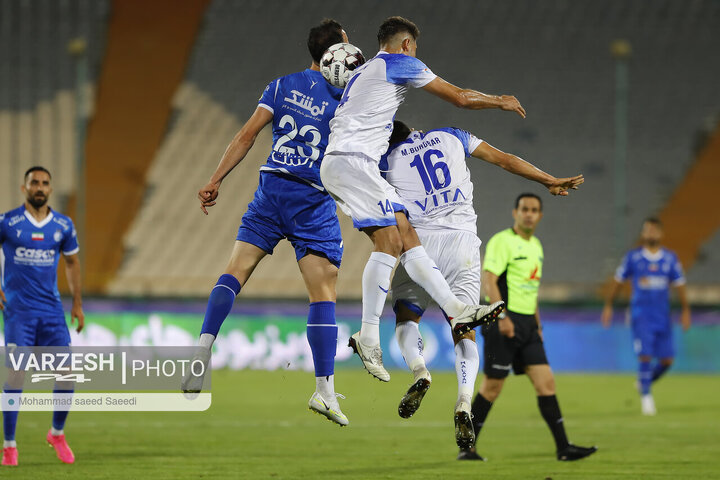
339	61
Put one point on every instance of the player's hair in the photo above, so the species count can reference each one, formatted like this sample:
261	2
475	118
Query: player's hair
36	168
394	25
654	220
527	195
400	132
322	37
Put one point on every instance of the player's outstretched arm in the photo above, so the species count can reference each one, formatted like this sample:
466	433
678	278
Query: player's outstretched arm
518	166
234	154
72	272
472	99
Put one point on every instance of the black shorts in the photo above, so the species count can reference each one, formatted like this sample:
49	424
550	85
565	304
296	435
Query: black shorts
503	353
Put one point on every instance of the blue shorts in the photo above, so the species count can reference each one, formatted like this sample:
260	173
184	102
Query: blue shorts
286	207
653	341
36	330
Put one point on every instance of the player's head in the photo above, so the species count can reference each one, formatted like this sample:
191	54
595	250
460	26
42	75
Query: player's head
400	132
652	232
527	212
36	186
323	36
398	35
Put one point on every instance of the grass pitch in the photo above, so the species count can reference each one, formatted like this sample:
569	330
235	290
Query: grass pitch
259	427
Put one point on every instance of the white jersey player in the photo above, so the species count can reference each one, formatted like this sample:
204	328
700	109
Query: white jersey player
359	136
429	172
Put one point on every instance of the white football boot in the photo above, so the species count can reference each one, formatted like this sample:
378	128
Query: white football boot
329	408
371	358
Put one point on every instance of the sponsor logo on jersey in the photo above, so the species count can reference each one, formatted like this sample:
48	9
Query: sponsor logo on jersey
38	236
440	199
306	103
653	282
38	257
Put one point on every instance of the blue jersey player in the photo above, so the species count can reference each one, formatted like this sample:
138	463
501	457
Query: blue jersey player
290	203
652	270
33	236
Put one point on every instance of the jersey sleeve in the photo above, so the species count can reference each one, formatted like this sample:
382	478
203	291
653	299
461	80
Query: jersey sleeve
496	256
406	70
267	99
677	276
469	141
69	245
624	270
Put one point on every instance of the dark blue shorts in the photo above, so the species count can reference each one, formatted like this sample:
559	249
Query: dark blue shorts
285	207
653	341
36	330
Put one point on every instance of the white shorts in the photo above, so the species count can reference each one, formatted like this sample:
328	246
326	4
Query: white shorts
457	255
355	183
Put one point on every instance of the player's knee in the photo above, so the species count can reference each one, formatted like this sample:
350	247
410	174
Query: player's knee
545	387
388	240
491	388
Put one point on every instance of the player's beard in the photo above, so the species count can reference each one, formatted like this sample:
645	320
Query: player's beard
652	242
37	201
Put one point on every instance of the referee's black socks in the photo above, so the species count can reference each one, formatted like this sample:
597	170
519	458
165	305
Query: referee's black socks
550	410
480	409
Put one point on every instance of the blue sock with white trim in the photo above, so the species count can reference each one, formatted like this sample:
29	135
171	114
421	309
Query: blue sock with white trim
322	336
59	416
220	303
10	417
645	377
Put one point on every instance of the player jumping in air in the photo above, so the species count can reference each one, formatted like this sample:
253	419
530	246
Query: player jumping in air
32	237
290	203
359	137
429	172
653	269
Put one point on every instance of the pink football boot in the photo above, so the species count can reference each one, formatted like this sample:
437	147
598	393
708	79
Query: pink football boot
10	457
61	447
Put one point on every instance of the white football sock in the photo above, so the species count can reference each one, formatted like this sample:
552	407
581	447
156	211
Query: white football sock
375	285
54	432
425	273
467	362
325	386
206	340
9	443
411	344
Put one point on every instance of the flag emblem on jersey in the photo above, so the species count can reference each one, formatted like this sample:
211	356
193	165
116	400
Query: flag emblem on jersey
38	236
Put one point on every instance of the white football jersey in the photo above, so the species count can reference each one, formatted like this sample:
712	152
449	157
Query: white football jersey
429	172
363	121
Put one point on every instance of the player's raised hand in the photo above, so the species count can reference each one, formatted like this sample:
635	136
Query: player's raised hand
207	196
511	104
2	300
561	185
77	313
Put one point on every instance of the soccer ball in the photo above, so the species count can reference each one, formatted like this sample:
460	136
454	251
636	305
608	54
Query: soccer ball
339	61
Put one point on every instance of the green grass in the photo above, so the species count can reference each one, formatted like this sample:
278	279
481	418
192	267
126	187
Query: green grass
259	427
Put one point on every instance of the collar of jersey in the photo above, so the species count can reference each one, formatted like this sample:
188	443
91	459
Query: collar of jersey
35	223
653	257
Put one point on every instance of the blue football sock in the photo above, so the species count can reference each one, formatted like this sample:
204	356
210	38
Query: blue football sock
659	371
322	337
59	416
220	303
645	377
9	417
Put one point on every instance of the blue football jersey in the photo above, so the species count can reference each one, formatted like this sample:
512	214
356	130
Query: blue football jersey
652	276
302	105
29	260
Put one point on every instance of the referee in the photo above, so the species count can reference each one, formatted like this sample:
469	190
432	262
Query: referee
511	272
